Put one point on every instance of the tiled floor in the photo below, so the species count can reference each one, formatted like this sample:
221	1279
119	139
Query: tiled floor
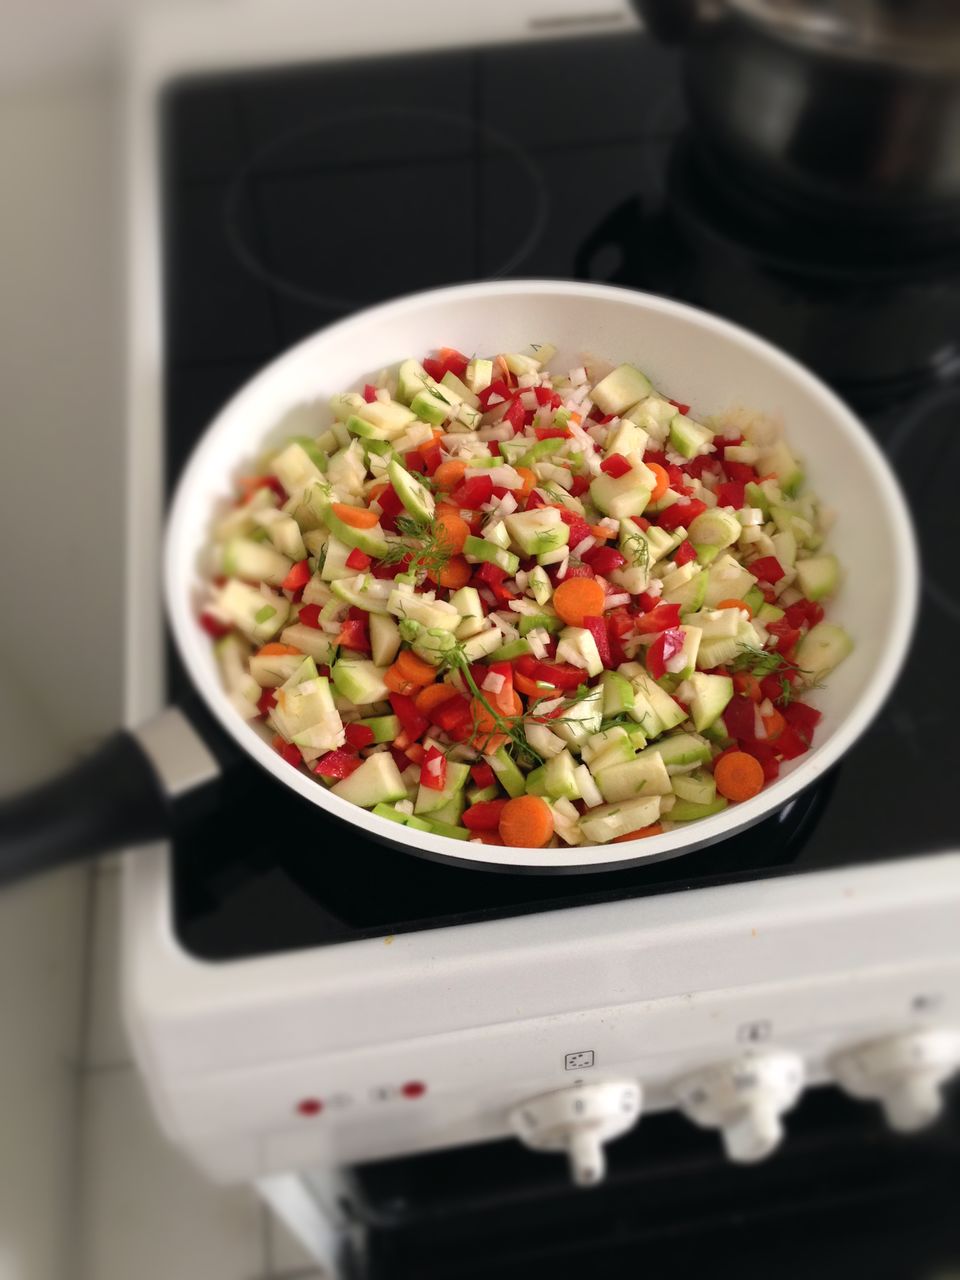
146	1213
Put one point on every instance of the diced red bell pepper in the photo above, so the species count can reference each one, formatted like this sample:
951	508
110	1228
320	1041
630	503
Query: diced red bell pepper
388	571
804	613
790	744
534	500
579	486
214	627
434	368
772	686
433	771
355	634
562	675
575	569
472	492
598	629
620	624
482	775
288	751
494	447
454	717
685	552
615	465
661	618
551	433
730	494
747	684
431	455
739	716
666	646
516	415
641	522
546	395
484	816
767	569
766	754
389	501
740	471
681	513
785	635
802	719
358	735
369	393
414	460
498	391
604	560
727	442
412	722
704	462
680	408
453	360
267	701
298	576
358	560
579	529
310	616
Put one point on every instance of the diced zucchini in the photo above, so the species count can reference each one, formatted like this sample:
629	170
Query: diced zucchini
377	781
608	821
646	774
688	811
823	647
361	682
624	387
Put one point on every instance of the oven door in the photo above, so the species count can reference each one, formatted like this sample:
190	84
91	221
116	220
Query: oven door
843	1198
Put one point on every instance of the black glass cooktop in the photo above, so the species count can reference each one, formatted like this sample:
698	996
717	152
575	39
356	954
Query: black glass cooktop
297	195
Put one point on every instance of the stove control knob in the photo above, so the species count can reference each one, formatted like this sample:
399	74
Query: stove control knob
579	1121
744	1098
903	1073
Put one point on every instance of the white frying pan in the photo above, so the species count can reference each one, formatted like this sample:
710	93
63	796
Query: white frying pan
140	782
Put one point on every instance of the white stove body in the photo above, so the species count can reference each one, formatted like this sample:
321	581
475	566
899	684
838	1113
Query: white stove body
320	1058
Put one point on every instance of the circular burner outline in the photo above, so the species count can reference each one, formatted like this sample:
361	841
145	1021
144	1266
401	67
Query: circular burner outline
251	259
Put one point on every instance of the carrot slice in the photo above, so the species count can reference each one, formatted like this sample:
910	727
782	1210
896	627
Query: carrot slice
377	491
273	649
449	474
531	688
578	598
738	776
774	724
452	530
526	823
655	829
662	479
529	479
433	696
735	604
395	681
601	534
454	574
355	517
411	667
746	683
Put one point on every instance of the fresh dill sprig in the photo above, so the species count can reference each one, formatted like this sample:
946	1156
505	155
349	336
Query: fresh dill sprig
425	544
637	550
766	662
511	728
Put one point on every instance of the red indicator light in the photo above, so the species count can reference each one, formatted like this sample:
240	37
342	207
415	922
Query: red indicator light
310	1107
413	1089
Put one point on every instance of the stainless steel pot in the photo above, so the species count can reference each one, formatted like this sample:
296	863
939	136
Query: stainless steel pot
844	107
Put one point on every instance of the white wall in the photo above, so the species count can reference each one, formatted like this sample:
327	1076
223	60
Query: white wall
60	573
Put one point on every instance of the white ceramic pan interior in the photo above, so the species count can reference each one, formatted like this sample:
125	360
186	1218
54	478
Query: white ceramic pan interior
692	357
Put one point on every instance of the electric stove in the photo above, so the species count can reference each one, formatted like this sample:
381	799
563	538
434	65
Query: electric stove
296	195
357	1030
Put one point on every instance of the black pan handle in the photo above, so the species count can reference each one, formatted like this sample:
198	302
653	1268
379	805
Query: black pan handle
134	788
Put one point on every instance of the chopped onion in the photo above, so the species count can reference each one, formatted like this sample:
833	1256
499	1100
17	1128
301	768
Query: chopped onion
529	400
495	400
616	599
759	728
677	663
383	395
584	545
528	380
492	684
505	477
578	376
544	708
435	763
